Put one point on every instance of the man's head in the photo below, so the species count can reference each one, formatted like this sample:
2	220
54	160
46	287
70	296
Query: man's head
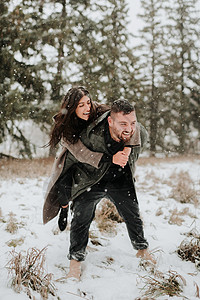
122	120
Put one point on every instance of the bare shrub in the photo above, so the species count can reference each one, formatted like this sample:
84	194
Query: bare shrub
183	191
107	216
170	284
190	251
12	224
28	271
176	218
193	233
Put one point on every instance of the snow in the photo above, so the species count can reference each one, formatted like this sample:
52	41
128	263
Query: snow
111	270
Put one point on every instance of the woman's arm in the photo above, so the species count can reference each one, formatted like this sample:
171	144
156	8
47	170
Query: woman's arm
83	154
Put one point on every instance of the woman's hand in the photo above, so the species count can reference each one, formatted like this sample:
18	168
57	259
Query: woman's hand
65	206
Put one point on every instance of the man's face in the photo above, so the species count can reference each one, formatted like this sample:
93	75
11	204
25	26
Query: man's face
121	126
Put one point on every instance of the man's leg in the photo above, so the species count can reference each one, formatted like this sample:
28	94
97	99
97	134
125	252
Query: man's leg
126	202
83	213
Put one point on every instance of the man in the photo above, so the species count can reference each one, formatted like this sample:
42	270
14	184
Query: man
107	134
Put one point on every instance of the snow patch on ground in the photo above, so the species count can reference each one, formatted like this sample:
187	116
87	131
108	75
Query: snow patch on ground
111	270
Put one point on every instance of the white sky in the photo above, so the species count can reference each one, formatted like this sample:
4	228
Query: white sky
135	24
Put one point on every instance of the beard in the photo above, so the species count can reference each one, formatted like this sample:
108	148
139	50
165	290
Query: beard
124	136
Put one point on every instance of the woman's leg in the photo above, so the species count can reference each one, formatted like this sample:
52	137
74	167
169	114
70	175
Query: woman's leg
83	213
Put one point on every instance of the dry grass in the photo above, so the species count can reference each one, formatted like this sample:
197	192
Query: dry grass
183	190
176	216
170	284
2	220
15	242
107	217
197	294
155	160
12	223
109	261
12	168
190	251
193	233
151	175
159	212
28	271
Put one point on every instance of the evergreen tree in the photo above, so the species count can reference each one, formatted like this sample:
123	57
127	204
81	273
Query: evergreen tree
181	71
85	43
118	70
55	36
70	32
21	84
49	45
151	57
104	58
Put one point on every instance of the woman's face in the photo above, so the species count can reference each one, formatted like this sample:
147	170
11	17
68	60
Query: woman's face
83	108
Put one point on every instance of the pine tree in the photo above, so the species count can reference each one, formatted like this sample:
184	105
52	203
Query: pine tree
49	45
55	36
21	84
151	56
104	58
84	57
181	68
69	31
117	62
90	41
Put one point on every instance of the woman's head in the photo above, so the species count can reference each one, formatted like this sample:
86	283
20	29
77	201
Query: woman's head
83	109
77	110
77	102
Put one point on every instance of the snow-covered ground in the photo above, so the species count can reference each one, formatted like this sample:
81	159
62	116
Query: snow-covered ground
111	270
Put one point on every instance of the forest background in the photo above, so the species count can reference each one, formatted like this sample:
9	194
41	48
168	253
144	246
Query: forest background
48	46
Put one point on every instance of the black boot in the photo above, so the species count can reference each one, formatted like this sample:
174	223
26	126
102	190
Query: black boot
62	221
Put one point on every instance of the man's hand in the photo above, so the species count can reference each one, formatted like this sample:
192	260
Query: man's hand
121	157
127	150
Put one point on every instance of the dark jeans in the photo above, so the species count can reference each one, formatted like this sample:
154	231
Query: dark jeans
125	200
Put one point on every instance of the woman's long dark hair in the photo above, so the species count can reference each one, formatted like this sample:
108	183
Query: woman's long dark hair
67	125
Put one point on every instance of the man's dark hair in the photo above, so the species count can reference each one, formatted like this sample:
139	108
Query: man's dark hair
122	106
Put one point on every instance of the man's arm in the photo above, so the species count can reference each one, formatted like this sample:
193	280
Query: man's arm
85	155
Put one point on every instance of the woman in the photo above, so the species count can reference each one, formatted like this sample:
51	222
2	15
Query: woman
76	113
73	116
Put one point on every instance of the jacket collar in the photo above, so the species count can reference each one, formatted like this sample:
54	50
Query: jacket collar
97	121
